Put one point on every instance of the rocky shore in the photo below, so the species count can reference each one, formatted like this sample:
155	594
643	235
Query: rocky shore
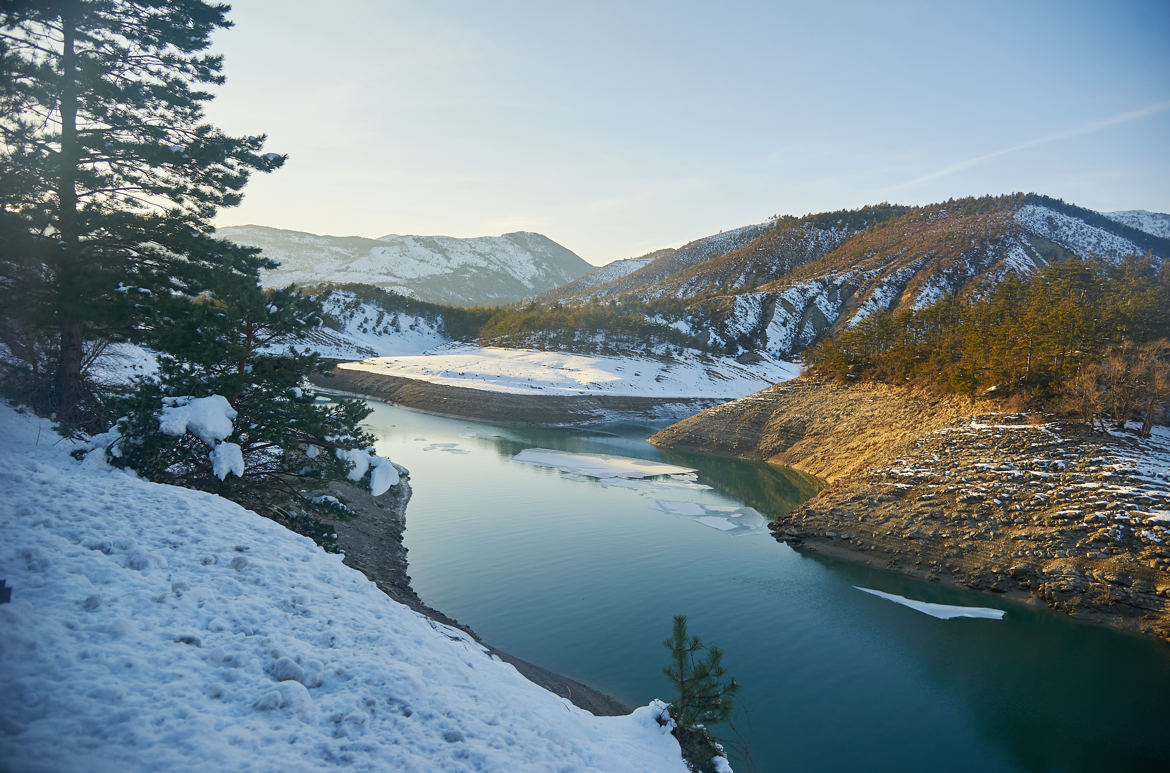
504	407
949	490
372	544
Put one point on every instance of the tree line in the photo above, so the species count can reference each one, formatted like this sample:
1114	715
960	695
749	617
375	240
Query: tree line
1088	337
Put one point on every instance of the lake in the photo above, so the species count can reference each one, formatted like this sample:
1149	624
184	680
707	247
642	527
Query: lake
582	575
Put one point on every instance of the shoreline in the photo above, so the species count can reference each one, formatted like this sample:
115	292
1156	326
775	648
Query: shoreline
372	544
506	407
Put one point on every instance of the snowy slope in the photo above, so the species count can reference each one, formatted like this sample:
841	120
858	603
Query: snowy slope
364	330
1081	238
154	628
603	275
529	371
442	269
1155	223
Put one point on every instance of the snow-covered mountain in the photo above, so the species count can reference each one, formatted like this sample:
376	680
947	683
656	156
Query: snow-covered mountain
1156	223
777	287
442	269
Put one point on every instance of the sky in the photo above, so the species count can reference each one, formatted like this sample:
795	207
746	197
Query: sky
618	128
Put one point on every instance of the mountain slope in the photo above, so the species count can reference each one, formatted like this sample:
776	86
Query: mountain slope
603	275
780	286
1155	223
441	269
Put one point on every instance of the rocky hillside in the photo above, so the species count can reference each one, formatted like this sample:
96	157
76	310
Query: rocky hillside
945	489
779	286
441	269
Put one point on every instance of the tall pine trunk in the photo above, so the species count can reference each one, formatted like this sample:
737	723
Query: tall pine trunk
67	380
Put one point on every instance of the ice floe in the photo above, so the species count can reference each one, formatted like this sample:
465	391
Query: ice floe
729	519
600	465
941	611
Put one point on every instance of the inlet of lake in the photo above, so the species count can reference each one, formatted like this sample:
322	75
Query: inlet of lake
582	575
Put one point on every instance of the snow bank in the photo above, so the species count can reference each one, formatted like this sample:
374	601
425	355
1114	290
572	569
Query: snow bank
525	371
941	611
157	628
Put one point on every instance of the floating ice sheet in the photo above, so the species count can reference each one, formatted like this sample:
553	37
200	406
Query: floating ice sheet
730	519
941	611
649	485
451	448
599	465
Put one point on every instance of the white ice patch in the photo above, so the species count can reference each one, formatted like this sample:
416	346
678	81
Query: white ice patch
649	485
207	418
599	465
941	611
680	508
730	519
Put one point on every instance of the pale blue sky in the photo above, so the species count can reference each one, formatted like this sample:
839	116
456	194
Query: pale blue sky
617	128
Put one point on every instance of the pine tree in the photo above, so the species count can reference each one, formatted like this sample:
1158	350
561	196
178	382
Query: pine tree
703	696
110	175
241	343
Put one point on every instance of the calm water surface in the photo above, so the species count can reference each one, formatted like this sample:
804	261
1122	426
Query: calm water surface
584	579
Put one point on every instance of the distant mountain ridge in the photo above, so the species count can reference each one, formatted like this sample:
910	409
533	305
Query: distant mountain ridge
440	269
779	286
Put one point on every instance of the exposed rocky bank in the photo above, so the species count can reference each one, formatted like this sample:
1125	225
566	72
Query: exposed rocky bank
947	489
372	544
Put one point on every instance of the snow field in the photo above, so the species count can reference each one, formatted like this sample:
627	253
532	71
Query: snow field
157	628
524	371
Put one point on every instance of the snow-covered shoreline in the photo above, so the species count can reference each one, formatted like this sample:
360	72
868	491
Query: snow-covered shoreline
157	628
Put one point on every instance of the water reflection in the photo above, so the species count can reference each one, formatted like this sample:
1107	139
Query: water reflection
772	490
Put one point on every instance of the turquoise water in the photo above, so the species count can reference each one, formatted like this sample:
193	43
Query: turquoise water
583	579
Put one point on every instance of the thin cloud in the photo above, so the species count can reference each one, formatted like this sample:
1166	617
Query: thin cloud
1088	128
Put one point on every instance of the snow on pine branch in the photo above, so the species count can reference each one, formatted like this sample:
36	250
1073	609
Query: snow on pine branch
209	419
